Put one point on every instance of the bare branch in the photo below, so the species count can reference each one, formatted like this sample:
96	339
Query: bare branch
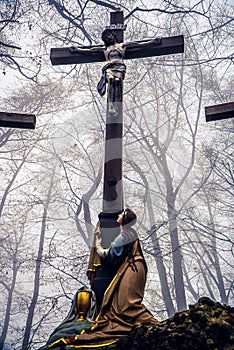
10	46
104	4
70	17
170	12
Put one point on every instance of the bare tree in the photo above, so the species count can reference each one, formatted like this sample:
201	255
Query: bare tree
10	265
14	16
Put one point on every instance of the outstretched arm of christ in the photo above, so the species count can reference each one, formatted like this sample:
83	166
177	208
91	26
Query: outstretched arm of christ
99	49
87	50
141	44
135	49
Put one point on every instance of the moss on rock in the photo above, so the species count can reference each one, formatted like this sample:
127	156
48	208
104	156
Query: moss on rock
207	325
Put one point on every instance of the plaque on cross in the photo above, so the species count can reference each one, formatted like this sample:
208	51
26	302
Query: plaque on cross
114	52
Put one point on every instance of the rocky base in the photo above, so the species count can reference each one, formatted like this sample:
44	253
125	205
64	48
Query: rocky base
207	325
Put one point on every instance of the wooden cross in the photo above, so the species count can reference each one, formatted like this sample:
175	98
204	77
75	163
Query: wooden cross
113	201
219	112
114	51
17	120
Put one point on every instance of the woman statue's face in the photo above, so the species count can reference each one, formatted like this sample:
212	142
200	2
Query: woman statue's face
120	218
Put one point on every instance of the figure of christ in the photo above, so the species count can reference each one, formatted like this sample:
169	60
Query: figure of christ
122	306
113	73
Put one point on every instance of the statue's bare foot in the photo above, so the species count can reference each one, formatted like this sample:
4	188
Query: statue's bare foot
111	109
113	112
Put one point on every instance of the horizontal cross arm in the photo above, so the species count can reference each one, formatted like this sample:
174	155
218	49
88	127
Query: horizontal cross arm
161	46
219	112
68	55
139	49
17	120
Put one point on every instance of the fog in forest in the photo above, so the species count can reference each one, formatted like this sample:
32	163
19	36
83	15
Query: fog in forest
177	169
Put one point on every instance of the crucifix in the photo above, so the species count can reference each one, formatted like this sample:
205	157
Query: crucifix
114	52
17	120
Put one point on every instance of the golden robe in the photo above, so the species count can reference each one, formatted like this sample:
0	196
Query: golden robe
122	306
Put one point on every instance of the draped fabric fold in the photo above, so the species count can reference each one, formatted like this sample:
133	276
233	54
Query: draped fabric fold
122	306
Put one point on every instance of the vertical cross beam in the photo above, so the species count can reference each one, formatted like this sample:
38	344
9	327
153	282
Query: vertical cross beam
112	183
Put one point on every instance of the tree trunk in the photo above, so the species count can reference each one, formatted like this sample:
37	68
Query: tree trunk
159	263
9	302
156	247
217	267
176	250
26	338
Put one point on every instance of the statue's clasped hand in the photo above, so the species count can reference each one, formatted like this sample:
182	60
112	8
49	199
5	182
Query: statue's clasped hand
97	234
98	238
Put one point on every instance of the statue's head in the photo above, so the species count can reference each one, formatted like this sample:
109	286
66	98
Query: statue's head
128	217
109	37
